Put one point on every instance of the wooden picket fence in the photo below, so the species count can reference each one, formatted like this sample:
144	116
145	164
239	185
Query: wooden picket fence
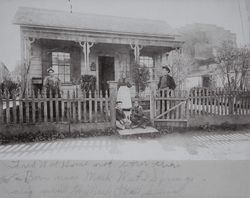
169	107
219	102
43	107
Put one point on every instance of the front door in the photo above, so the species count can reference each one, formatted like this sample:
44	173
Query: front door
106	71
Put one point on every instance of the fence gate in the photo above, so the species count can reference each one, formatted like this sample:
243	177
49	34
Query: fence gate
169	108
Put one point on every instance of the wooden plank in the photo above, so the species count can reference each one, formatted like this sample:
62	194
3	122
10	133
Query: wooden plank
7	109
33	107
39	105
95	105
190	105
74	106
195	101
1	108
137	131
178	108
20	108
169	110
63	110
51	112
68	108
203	101
45	110
79	110
101	106
106	105
90	107
210	102
171	120
27	108
57	107
14	108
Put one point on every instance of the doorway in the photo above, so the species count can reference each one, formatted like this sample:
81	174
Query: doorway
106	71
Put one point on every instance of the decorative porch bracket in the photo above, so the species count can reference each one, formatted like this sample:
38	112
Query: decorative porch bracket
136	49
86	51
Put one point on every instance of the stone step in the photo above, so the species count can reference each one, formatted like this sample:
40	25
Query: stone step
138	131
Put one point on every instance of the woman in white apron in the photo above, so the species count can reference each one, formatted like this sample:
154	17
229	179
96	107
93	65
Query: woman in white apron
123	94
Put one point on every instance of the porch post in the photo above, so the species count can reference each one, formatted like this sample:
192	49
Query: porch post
27	61
136	48
86	51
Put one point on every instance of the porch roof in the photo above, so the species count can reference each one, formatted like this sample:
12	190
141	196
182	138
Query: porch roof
55	19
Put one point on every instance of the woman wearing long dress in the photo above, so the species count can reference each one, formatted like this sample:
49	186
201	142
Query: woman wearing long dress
123	94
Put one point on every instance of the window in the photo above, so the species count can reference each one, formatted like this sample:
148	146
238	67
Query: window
61	65
149	63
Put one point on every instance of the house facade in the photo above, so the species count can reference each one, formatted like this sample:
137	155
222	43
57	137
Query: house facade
76	44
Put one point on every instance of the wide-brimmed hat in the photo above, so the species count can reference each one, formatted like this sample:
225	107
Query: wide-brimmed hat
50	70
166	67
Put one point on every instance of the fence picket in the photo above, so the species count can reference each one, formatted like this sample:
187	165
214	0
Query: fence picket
7	108
51	113
45	106
106	105
21	107
39	105
95	105
33	106
90	106
56	107
101	105
1	108
68	112
14	111
27	109
84	107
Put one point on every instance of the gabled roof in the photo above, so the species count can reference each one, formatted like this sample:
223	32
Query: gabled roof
90	22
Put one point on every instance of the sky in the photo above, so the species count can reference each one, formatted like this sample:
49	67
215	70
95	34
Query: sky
177	13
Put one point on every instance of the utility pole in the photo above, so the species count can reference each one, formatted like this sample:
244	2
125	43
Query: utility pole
70	6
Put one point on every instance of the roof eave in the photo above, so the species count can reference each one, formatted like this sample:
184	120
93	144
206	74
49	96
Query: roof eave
171	37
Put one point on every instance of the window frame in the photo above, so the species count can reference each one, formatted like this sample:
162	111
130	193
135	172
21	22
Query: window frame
63	60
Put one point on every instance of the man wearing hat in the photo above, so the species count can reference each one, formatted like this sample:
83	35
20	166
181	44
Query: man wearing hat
166	81
52	83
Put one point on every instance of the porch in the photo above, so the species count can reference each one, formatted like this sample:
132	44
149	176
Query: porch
77	44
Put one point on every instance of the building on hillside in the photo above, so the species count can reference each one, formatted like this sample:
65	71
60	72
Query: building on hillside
204	74
76	44
4	72
201	43
201	40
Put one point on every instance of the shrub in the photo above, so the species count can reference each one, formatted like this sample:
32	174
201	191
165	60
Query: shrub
88	83
140	76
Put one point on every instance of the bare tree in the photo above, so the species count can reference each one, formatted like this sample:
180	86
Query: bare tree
179	64
233	65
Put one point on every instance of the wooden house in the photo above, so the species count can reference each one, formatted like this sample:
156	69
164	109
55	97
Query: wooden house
76	44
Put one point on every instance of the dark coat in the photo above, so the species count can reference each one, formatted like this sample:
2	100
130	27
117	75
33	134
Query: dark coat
166	81
119	114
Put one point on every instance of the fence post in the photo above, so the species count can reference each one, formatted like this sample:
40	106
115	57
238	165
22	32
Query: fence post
152	107
1	107
231	102
112	96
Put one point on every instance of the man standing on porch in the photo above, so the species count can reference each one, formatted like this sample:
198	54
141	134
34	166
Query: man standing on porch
166	81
